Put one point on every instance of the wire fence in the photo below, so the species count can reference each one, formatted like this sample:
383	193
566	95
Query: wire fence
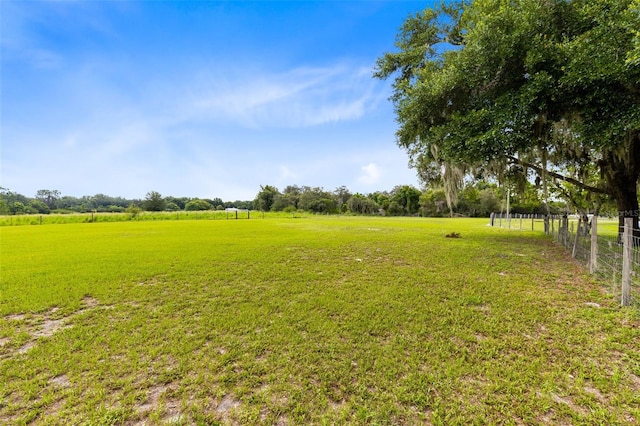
596	243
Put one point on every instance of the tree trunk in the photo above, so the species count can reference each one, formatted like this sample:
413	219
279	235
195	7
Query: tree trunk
627	204
621	170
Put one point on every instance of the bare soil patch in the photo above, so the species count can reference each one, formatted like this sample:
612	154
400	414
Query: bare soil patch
227	404
61	381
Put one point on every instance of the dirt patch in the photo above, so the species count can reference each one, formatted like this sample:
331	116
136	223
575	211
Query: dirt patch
45	324
26	347
153	398
90	302
480	337
226	405
595	392
172	413
61	381
49	327
485	309
569	403
635	382
157	398
15	317
337	405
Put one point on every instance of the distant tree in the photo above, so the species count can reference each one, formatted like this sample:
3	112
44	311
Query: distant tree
342	195
468	201
381	199
87	203
180	202
172	207
281	202
17	207
433	203
239	204
264	199
405	199
154	202
215	202
317	200
39	207
361	204
488	202
8	199
115	209
47	196
197	204
290	197
103	203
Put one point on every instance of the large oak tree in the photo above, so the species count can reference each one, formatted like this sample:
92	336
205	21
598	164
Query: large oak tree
547	86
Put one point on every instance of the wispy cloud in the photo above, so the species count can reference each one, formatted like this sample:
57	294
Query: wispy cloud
286	173
300	97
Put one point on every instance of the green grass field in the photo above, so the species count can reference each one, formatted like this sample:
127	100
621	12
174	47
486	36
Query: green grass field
316	320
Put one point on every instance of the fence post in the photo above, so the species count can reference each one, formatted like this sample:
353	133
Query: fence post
627	251
574	252
593	261
546	224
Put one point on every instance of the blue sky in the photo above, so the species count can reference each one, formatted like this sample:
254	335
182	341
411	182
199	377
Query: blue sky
198	99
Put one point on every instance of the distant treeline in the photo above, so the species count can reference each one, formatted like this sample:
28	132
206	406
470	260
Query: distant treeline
52	201
477	199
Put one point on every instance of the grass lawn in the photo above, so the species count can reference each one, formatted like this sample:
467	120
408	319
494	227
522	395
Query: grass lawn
316	320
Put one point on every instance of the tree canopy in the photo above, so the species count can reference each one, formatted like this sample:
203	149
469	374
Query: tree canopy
154	202
530	87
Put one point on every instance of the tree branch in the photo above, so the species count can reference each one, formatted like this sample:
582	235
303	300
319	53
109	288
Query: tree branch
557	175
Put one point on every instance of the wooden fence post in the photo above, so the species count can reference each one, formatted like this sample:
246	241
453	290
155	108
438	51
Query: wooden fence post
627	252
574	252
